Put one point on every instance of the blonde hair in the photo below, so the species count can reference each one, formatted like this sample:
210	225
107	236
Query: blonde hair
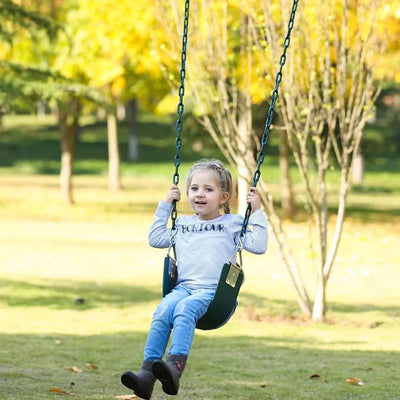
221	174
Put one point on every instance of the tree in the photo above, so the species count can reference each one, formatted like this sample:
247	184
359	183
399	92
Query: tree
30	75
112	52
19	80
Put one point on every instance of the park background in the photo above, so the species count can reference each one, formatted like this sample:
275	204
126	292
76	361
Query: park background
78	281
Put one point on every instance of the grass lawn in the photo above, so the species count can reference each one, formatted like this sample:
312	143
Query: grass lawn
78	285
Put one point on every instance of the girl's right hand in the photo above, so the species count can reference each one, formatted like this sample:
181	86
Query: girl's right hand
253	198
174	194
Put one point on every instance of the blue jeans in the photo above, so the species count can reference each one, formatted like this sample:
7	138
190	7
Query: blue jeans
178	311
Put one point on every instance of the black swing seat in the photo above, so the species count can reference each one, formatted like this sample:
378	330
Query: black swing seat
224	302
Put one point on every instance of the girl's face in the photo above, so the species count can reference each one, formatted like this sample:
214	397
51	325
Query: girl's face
205	196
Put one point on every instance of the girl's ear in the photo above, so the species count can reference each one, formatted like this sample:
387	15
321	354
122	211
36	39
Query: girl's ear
224	198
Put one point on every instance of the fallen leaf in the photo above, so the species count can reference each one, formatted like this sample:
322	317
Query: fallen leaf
375	324
127	397
315	376
60	391
355	381
92	366
75	369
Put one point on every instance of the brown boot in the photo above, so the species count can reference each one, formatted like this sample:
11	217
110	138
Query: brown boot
169	373
142	382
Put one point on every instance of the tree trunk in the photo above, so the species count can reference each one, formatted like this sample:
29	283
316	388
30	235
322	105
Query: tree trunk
320	300
113	152
68	114
358	169
3	112
121	112
243	185
132	111
288	205
245	159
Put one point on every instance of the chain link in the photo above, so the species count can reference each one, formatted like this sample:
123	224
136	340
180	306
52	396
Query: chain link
274	97
179	123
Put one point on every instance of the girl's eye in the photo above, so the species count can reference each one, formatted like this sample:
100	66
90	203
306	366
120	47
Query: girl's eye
193	188
209	190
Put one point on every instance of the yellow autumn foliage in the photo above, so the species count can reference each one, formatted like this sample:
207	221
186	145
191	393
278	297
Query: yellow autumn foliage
115	44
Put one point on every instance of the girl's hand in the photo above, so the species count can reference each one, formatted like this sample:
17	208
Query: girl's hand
253	198
174	194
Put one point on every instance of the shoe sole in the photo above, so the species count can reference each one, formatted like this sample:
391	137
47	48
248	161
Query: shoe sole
162	373
129	380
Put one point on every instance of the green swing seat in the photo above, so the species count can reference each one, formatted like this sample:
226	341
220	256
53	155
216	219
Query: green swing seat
224	302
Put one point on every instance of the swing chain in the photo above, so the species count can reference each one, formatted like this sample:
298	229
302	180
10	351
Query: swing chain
274	97
179	123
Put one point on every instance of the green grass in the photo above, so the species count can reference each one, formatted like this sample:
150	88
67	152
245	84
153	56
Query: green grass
52	254
30	146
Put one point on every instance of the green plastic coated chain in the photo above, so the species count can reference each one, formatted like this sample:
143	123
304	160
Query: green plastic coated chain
179	123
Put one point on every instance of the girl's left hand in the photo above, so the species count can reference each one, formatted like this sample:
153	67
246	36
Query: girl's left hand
253	198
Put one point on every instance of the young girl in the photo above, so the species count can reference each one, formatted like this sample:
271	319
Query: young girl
204	243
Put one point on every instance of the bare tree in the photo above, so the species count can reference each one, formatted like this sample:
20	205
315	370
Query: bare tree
327	96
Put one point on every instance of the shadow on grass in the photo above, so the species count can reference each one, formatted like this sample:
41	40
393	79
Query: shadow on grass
74	294
366	213
387	310
84	295
372	189
259	308
255	304
372	212
219	368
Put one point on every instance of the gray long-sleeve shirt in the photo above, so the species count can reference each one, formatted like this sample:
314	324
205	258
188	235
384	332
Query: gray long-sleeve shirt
203	247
